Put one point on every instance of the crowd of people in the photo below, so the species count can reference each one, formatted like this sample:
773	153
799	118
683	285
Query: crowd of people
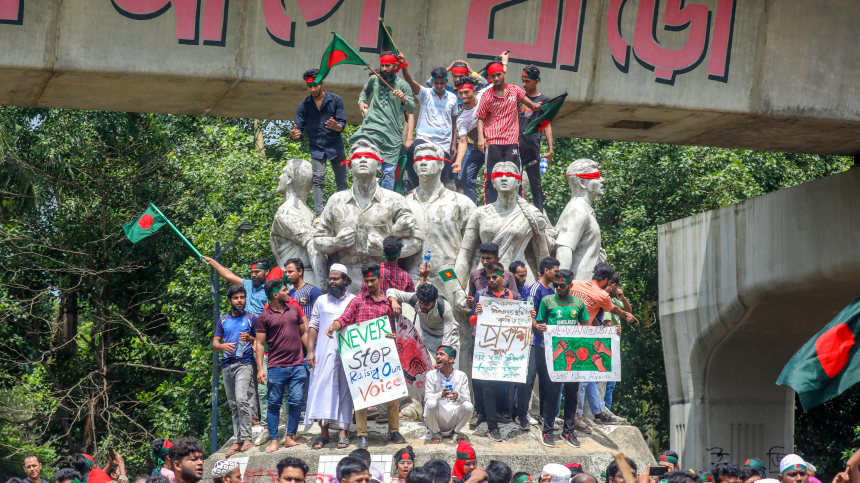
182	462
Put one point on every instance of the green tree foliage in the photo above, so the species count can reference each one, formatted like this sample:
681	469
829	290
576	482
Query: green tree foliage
109	343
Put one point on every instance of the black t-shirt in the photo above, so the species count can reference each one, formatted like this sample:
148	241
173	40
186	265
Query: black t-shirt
529	145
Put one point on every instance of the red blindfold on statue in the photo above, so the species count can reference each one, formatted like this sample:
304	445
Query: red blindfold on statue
361	154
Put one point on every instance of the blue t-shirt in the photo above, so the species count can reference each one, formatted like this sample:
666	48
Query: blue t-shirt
255	298
538	291
228	328
306	297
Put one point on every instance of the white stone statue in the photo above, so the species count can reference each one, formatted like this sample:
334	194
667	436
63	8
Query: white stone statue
441	215
292	234
510	222
354	222
578	242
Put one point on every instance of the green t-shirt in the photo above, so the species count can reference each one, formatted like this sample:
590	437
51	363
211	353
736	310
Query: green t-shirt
557	311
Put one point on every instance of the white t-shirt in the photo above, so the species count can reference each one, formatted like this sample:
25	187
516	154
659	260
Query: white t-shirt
434	118
467	121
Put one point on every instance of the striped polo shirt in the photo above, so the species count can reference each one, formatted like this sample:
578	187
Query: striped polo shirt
500	115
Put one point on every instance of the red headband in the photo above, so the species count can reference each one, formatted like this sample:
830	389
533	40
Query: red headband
466	86
594	175
495	68
310	80
432	158
387	59
459	70
500	174
361	154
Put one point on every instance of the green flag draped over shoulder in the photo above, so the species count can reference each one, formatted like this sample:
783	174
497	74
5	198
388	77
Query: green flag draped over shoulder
146	224
338	53
829	363
548	111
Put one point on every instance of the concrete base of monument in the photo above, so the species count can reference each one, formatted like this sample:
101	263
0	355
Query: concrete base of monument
521	450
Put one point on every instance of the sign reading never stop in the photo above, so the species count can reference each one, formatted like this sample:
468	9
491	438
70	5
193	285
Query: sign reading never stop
371	363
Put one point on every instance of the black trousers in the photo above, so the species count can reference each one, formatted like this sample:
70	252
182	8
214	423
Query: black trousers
532	168
488	395
537	369
571	399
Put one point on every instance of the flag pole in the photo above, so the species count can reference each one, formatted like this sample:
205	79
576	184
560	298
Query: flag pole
387	34
380	77
178	232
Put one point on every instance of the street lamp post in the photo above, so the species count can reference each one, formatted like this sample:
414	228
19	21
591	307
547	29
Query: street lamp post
215	283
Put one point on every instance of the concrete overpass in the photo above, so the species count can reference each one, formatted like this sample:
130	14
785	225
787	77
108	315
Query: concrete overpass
764	74
742	288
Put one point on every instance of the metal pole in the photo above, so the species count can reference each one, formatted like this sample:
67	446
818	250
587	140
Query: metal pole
215	282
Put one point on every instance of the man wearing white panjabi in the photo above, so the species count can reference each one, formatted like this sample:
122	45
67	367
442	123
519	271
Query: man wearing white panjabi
329	399
446	411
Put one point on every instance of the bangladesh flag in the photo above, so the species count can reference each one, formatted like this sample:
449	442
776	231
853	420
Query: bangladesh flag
448	275
386	42
146	224
548	111
338	53
398	172
829	363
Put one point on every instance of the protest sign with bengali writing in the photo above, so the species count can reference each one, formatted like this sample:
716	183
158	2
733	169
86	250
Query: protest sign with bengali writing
503	341
371	363
413	355
582	353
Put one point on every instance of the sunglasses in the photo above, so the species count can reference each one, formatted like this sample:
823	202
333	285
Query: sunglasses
493	277
560	285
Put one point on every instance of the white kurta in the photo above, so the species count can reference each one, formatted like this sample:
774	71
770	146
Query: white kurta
329	399
444	416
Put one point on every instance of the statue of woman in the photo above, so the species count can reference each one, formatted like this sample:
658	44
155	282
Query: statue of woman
510	222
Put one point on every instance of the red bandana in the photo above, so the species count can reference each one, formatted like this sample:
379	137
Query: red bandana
594	175
495	68
499	175
432	158
310	80
361	154
387	59
466	86
254	266
459	70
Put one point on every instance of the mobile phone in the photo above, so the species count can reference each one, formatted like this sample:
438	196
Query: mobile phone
111	452
658	470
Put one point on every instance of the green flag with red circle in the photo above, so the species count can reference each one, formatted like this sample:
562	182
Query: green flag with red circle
146	224
339	52
548	111
448	275
829	363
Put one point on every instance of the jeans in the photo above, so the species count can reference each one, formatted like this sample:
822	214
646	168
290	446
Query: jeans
571	401
340	179
607	400
534	181
292	379
472	164
239	386
589	391
388	170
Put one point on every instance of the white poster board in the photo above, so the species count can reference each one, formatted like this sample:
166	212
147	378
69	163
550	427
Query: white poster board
581	353
371	363
380	467
503	340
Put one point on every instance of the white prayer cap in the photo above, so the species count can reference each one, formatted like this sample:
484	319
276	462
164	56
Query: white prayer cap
811	467
223	468
339	267
790	462
560	473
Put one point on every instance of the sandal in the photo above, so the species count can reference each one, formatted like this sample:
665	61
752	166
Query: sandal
320	443
246	447
342	443
232	451
435	439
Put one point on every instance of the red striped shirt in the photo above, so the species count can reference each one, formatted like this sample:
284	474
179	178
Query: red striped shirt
501	125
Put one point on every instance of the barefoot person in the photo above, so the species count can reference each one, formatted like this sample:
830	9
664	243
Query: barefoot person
448	404
329	400
282	325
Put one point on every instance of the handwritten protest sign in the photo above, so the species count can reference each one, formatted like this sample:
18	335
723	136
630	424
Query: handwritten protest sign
582	353
371	363
413	355
504	338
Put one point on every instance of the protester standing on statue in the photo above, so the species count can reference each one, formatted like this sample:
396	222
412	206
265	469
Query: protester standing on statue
611	320
446	410
519	271
322	116
469	159
493	391
235	334
384	114
391	275
436	118
282	326
530	145
498	127
368	305
435	316
302	292
461	70
561	308
329	399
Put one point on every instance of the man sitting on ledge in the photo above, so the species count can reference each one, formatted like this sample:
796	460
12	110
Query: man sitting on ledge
448	405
